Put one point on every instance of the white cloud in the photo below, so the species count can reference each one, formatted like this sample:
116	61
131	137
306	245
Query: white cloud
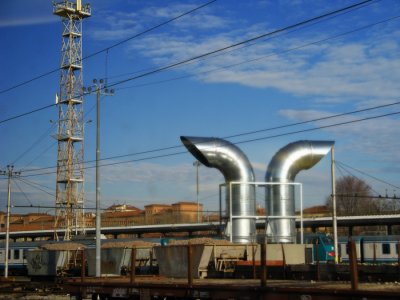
24	13
374	137
28	21
337	70
119	25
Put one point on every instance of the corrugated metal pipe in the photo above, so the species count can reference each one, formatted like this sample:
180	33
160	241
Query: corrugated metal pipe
234	165
280	199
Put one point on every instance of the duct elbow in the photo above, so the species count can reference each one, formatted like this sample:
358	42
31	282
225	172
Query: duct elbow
235	166
222	155
280	199
295	157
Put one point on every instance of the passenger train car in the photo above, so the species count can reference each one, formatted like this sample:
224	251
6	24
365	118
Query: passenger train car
372	249
17	263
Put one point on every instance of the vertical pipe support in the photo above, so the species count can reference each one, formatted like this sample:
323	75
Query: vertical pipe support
133	265
283	261
353	265
189	264
398	253
263	266
83	266
253	252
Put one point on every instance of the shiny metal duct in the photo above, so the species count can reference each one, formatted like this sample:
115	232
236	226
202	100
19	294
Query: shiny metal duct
234	165
279	199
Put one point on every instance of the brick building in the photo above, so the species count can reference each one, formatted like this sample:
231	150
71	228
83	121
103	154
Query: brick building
114	216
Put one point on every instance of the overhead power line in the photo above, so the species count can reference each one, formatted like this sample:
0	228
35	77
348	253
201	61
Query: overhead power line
236	64
366	174
236	143
256	42
235	135
110	47
263	56
173	65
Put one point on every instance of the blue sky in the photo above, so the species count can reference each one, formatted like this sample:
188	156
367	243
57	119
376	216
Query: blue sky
340	64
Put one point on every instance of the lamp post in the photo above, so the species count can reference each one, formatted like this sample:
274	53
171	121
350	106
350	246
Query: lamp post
100	89
9	174
197	164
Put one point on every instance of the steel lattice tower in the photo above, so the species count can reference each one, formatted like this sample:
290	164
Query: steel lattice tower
70	135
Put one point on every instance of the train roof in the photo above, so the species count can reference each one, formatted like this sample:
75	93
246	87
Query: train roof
371	238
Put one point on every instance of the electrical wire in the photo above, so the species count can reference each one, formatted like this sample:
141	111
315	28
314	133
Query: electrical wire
233	65
234	135
368	175
22	192
352	175
183	62
236	143
271	33
110	47
34	144
35	185
258	41
261	57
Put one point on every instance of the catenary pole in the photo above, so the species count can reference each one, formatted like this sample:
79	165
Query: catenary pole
100	89
9	174
334	216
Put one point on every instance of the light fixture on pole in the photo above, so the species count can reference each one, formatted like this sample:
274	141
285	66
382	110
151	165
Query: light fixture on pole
100	89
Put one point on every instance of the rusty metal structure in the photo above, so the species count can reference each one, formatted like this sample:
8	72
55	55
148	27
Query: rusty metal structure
134	286
70	134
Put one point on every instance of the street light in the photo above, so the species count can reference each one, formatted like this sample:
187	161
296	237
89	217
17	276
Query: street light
100	89
197	164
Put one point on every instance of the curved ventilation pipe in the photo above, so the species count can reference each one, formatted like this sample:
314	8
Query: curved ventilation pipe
234	165
284	167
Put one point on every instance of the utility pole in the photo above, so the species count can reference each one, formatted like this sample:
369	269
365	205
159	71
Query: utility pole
9	173
100	89
334	215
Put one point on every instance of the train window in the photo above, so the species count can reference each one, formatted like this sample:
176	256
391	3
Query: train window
327	240
16	254
386	248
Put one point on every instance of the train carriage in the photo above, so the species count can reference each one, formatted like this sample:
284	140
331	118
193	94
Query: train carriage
17	263
372	249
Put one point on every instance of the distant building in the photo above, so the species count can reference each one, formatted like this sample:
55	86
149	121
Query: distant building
187	212
316	211
117	215
157	214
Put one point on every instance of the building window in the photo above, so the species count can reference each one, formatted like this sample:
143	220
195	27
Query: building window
386	248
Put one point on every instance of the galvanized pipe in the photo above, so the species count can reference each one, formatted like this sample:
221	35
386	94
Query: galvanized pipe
234	165
283	168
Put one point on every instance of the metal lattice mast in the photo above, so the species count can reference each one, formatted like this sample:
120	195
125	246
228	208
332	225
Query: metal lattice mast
70	135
